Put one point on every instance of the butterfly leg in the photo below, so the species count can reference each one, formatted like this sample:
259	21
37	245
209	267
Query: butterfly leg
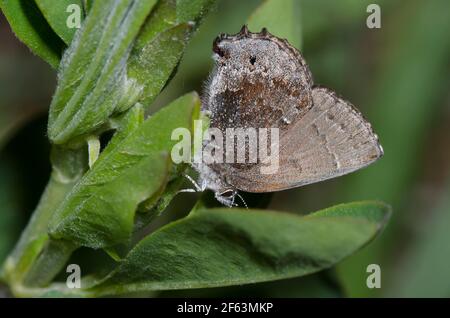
242	199
197	188
194	183
187	191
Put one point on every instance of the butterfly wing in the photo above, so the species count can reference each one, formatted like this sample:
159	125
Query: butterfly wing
330	140
259	81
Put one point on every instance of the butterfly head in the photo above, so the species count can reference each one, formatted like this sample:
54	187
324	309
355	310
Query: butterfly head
245	50
226	196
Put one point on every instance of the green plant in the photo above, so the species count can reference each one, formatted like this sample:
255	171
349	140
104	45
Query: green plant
109	73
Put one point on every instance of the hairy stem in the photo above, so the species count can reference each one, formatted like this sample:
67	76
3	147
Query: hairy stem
36	259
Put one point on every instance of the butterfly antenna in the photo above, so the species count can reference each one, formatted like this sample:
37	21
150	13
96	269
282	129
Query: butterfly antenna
197	187
242	199
187	190
232	201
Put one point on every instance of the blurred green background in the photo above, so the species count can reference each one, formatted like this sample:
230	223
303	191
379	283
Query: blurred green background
398	76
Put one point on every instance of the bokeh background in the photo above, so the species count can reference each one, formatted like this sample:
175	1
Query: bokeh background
398	76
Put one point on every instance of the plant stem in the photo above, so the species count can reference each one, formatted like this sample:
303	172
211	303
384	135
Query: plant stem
48	263
36	259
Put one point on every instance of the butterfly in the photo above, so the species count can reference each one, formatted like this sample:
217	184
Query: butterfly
260	80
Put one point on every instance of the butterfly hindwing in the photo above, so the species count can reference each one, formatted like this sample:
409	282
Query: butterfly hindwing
330	140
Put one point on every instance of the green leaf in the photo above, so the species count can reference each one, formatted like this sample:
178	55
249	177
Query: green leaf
162	17
148	211
87	5
55	12
31	28
374	212
99	211
92	81
193	10
223	247
154	64
319	285
124	125
95	79
161	43
169	13
281	18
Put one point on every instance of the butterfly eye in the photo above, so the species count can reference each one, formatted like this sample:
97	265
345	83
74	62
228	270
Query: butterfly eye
217	49
253	60
227	193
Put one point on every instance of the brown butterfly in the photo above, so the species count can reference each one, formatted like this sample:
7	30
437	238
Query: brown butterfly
260	80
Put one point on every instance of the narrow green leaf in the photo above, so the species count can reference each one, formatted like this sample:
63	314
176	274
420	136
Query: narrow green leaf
87	4
319	285
32	29
222	247
148	211
99	211
124	125
281	18
162	17
92	81
161	43
193	10
56	13
155	63
374	212
169	13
